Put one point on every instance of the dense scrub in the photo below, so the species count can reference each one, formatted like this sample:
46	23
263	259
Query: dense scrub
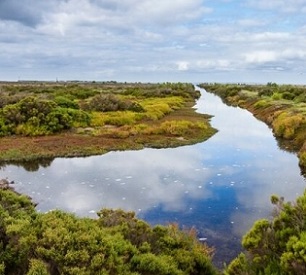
115	243
283	107
109	115
277	246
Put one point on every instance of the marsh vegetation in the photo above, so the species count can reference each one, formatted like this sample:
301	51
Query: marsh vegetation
39	120
282	107
115	243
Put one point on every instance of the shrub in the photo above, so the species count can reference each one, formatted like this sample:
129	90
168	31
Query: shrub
262	104
286	125
277	96
66	102
111	102
277	246
116	243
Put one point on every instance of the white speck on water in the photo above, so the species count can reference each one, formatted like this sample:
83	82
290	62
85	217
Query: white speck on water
106	178
232	184
123	198
200	186
42	174
128	177
139	210
91	185
122	183
186	192
47	186
82	182
211	183
219	174
202	239
118	179
232	222
175	181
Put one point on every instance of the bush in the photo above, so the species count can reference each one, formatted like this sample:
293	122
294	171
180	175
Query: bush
111	102
65	102
286	125
277	246
116	243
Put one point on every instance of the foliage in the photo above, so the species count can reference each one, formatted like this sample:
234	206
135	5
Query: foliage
277	246
65	102
286	124
116	243
111	102
33	116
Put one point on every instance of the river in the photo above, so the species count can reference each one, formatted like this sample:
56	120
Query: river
220	186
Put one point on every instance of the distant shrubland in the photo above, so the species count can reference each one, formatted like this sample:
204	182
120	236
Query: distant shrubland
282	107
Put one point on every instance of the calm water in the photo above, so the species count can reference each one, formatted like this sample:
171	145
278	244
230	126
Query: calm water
219	186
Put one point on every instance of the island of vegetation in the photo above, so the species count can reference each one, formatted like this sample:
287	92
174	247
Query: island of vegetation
40	120
282	107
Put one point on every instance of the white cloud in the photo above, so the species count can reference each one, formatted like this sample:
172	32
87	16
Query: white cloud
283	5
182	65
260	56
82	38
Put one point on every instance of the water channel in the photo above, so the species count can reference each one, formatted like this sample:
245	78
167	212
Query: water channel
220	186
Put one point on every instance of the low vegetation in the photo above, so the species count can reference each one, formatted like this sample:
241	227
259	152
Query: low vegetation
276	246
44	120
282	107
115	243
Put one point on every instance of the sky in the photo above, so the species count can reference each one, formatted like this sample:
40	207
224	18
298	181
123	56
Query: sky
250	41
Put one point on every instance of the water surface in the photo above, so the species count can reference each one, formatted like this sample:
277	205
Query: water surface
220	186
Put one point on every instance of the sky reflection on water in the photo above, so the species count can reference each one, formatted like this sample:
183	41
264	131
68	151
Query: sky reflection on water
220	186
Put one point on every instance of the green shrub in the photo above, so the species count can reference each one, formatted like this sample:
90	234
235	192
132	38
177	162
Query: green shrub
262	104
65	102
277	96
116	243
286	125
277	246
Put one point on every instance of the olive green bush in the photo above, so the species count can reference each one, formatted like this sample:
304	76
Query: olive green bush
116	243
276	246
33	116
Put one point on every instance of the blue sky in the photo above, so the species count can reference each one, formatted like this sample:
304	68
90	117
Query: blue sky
154	41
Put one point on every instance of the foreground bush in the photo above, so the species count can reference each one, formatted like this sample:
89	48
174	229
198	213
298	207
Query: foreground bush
277	246
115	243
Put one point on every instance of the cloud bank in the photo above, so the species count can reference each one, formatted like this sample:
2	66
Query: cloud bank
162	40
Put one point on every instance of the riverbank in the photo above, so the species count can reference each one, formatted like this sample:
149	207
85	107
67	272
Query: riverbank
48	120
115	242
283	108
